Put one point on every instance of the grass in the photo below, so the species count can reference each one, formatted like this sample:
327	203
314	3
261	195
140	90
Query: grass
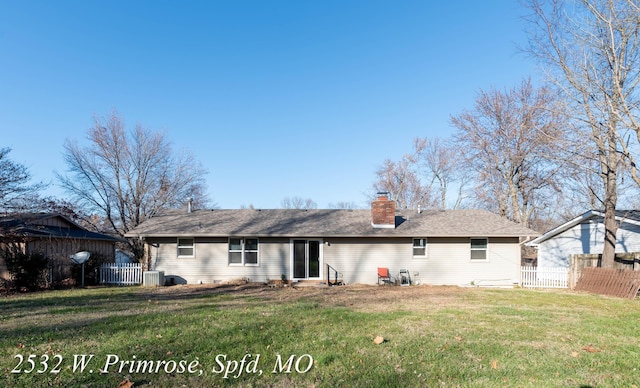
433	336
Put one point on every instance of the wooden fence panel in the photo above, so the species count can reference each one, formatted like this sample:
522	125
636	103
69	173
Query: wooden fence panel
610	281
623	260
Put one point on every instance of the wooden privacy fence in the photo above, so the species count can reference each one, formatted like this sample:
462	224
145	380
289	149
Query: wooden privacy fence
610	281
121	273
544	277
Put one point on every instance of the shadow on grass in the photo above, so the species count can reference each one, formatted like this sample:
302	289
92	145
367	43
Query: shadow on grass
71	313
105	297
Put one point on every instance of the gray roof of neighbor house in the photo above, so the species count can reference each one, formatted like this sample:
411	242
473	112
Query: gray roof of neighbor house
326	223
33	225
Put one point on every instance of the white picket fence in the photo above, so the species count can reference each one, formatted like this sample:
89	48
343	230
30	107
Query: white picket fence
121	273
544	277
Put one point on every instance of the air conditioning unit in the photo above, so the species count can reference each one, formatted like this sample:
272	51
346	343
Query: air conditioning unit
153	278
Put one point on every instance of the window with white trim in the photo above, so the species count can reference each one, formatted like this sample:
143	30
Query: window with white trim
479	248
243	251
419	247
186	247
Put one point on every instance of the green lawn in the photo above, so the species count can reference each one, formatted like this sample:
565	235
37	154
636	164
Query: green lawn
434	336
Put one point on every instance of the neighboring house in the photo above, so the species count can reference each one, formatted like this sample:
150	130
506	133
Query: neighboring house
56	237
585	234
123	257
452	247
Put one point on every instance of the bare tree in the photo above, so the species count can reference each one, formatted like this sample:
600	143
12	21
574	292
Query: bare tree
402	180
440	160
14	184
298	203
508	139
344	205
590	50
127	177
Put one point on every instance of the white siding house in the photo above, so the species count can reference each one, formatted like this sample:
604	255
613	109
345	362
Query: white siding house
453	247
585	234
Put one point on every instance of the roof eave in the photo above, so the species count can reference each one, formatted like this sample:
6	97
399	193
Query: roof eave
564	227
308	235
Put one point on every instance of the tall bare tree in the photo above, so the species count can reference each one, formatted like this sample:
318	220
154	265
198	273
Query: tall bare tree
440	161
128	176
15	186
507	139
298	203
591	50
402	180
344	205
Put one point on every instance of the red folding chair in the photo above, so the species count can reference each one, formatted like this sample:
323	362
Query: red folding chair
383	274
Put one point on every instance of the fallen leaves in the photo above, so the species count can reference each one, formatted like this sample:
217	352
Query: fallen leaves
591	349
125	384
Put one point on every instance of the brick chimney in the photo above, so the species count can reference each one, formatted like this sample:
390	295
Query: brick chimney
383	212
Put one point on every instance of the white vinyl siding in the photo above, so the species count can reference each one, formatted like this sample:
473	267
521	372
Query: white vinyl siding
587	237
357	259
212	264
449	260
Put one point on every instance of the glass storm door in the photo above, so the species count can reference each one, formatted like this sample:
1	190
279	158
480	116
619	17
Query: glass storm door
306	259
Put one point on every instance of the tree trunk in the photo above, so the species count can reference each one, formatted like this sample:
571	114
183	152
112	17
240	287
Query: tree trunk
610	231
610	178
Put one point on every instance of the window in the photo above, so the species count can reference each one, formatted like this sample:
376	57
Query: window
243	251
419	247
251	251
478	249
235	251
185	247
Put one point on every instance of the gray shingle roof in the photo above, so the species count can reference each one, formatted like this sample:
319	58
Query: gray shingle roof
326	223
627	214
31	225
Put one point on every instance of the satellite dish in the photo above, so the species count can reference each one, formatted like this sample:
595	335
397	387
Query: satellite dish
80	257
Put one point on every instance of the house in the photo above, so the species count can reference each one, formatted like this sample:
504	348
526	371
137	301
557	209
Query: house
585	234
124	257
436	247
56	237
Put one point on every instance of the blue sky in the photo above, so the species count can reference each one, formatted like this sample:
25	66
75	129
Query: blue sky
275	98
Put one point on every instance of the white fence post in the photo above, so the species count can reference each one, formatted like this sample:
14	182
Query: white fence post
121	273
544	277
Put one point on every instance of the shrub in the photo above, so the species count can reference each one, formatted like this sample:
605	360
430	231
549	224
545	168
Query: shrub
28	271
